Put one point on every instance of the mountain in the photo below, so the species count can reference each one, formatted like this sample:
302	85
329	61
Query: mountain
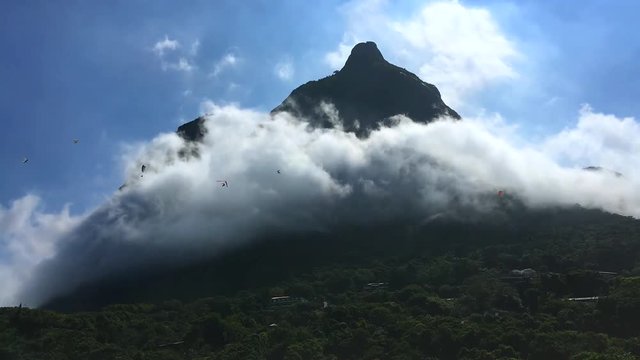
445	296
444	291
366	92
611	245
447	288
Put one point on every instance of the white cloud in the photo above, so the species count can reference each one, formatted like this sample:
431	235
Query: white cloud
284	70
162	46
330	113
27	237
601	140
468	50
337	58
233	86
552	101
227	61
195	47
365	20
407	172
460	49
182	65
178	61
207	107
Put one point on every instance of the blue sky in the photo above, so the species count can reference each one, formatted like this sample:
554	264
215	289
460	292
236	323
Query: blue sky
88	70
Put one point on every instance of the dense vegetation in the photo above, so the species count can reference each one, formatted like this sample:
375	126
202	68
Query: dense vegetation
448	293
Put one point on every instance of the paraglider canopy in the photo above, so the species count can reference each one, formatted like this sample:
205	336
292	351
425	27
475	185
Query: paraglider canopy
25	160
143	167
75	141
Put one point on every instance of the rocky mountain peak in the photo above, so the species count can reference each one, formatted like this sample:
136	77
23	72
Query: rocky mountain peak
365	93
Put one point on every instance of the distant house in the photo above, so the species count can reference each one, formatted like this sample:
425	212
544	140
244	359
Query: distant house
516	276
524	273
584	299
172	344
375	286
279	301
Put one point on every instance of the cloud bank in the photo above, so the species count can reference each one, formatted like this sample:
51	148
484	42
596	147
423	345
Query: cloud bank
601	139
27	237
178	212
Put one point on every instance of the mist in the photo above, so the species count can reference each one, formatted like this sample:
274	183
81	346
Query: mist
178	212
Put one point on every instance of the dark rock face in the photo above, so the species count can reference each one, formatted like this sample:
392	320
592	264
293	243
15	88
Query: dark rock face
193	130
601	169
366	92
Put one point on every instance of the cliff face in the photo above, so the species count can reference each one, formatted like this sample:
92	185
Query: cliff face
193	130
366	92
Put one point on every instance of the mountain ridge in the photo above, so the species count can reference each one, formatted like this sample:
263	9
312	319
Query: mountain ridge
516	221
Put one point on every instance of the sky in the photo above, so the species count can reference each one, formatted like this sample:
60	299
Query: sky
93	72
541	85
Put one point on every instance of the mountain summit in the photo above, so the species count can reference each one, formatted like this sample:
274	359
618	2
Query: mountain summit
365	93
364	55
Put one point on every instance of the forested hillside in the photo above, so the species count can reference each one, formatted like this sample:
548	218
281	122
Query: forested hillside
437	293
